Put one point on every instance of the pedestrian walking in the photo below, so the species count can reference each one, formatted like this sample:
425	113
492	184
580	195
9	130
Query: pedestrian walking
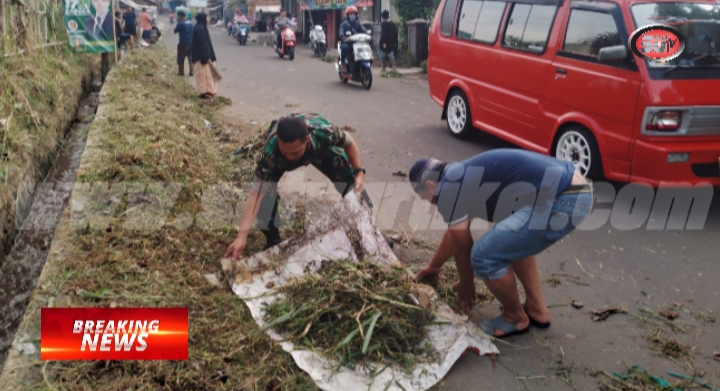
534	201
146	25
388	40
203	56
184	49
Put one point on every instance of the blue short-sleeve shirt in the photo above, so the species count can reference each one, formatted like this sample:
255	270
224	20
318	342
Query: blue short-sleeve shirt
494	184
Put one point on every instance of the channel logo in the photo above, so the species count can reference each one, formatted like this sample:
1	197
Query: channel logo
657	42
114	334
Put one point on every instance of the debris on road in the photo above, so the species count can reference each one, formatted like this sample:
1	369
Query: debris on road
669	347
577	305
400	174
669	314
347	128
603	313
676	304
553	281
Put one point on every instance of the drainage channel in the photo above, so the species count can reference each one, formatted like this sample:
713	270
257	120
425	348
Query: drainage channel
22	267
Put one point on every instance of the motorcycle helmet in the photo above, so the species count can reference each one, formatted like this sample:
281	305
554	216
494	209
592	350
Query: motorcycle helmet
351	10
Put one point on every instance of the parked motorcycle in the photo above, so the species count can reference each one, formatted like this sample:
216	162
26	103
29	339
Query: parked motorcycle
288	43
242	33
360	60
317	41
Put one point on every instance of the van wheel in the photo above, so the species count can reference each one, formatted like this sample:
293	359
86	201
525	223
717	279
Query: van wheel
578	145
459	120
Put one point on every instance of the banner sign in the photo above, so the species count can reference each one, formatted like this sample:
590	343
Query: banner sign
90	25
114	334
312	5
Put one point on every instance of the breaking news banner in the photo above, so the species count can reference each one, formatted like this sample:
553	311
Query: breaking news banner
114	334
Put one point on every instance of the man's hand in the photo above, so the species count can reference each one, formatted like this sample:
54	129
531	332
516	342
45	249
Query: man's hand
466	295
236	248
384	46
359	182
429	271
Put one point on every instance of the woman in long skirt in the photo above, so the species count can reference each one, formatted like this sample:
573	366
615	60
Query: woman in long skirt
203	56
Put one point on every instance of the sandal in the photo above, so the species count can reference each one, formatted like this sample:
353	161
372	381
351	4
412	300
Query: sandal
534	322
498	323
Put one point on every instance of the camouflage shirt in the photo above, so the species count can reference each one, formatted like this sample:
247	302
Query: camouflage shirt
325	151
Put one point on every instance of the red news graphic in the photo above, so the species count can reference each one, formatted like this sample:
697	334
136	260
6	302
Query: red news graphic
114	334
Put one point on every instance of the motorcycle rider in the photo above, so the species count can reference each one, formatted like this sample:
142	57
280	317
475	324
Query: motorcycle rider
237	21
353	26
280	24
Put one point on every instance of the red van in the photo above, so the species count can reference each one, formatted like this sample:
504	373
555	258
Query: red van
557	77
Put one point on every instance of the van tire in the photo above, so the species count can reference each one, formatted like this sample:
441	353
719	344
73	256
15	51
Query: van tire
459	119
581	143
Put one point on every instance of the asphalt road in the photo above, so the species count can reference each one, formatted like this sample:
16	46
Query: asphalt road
396	122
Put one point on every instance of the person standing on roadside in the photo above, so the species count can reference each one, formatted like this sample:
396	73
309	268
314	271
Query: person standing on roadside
185	30
388	40
130	22
146	25
120	36
203	56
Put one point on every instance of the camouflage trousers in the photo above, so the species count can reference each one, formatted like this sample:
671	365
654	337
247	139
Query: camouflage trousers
333	163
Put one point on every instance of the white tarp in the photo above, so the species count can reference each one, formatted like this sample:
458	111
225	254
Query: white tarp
329	238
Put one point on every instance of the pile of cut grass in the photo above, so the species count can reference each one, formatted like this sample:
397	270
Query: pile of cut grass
355	313
154	129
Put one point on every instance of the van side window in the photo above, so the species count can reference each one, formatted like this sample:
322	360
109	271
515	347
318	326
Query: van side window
529	27
448	17
590	31
489	21
479	20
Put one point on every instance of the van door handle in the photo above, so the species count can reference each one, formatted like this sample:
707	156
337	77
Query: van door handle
561	71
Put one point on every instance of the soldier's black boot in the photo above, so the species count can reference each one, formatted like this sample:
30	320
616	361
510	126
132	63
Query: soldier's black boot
272	237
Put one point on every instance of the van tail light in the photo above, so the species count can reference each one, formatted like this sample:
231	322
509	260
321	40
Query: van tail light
664	121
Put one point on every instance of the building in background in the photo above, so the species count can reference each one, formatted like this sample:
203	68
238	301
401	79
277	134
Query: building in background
260	11
330	13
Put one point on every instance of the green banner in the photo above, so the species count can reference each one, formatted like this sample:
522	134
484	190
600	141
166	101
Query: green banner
90	25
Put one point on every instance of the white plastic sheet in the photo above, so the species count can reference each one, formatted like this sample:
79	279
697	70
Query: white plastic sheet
254	279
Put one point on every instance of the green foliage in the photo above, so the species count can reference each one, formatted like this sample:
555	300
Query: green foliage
423	65
415	9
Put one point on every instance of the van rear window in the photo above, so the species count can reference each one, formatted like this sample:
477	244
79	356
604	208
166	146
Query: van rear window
448	17
529	27
479	20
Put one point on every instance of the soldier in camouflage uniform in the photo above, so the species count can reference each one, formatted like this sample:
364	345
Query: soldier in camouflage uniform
295	141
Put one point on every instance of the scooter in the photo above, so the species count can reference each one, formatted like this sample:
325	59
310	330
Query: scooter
361	58
242	33
317	41
288	43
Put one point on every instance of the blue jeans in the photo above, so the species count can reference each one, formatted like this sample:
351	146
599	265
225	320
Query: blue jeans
512	239
345	52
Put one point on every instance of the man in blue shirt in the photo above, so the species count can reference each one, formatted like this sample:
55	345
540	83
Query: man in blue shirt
184	49
348	28
534	201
